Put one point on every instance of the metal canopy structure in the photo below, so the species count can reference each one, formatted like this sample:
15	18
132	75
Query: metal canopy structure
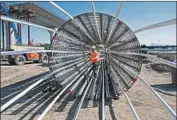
38	15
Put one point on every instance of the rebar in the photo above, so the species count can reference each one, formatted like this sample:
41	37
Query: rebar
103	93
161	24
5	18
83	96
58	96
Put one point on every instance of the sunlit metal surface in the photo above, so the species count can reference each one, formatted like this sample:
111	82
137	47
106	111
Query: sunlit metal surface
75	36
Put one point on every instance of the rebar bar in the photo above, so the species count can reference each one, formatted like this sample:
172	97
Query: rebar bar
58	96
5	18
83	97
103	93
96	22
161	24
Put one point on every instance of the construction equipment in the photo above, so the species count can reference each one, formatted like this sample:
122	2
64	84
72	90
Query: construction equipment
33	13
20	59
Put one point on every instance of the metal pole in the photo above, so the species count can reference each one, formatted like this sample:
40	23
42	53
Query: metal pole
173	113
82	100
20	32
85	83
76	84
58	7
74	55
117	13
154	92
161	24
32	86
67	62
18	27
3	45
152	58
96	22
83	96
133	109
29	32
58	96
32	51
102	105
63	83
9	46
5	18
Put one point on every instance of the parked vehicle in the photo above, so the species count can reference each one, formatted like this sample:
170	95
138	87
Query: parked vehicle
22	58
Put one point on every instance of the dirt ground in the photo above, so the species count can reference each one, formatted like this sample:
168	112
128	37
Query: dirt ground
14	79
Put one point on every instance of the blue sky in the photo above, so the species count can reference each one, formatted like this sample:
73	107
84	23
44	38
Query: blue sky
134	14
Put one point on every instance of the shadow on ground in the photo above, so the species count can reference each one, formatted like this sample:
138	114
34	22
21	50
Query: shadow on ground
5	63
36	101
169	89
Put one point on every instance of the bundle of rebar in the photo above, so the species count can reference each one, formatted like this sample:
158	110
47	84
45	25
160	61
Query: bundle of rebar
112	38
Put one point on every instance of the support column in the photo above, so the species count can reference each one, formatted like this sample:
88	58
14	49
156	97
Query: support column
3	40
18	26
1	37
12	37
8	37
20	33
29	33
52	34
19	29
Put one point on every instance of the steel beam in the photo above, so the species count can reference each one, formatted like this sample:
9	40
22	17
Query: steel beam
131	106
103	93
3	40
96	22
161	24
29	40
62	10
117	13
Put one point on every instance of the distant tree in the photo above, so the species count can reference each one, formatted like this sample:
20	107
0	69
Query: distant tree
143	46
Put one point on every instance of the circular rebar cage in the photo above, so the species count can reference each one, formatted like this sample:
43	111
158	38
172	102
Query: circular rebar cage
76	36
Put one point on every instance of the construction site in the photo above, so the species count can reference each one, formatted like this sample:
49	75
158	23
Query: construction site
64	79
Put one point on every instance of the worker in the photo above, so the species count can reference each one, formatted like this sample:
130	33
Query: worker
94	57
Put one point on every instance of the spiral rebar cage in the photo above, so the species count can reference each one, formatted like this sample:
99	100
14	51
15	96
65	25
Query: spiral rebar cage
112	38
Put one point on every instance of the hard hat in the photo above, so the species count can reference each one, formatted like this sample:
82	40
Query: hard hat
93	47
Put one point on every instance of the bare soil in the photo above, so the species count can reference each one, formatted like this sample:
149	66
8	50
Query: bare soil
14	79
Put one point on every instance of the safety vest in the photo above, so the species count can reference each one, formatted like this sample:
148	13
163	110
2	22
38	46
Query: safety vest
94	57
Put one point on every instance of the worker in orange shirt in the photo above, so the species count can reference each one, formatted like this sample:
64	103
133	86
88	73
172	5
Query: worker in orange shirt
94	57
